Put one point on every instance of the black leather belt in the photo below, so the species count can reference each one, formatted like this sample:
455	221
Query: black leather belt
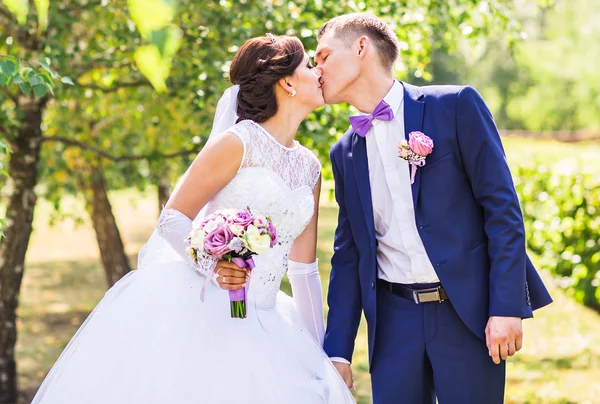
437	294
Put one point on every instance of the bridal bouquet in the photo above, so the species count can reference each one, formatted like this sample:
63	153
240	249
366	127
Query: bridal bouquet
235	236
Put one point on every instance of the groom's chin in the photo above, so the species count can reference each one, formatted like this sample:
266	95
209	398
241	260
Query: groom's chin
330	99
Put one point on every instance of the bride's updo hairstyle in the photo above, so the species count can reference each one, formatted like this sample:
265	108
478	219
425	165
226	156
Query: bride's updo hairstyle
258	65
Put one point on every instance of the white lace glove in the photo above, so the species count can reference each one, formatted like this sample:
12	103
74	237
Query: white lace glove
308	297
174	227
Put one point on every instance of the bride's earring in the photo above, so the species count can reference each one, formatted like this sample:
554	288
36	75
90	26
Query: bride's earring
292	94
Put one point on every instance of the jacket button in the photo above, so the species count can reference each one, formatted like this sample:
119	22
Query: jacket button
372	285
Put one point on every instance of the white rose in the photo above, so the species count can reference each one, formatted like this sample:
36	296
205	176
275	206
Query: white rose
236	229
227	212
214	224
256	242
197	239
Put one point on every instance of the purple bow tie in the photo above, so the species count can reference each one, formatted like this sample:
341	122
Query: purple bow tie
362	123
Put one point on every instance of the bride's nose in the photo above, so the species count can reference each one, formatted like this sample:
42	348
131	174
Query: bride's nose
318	73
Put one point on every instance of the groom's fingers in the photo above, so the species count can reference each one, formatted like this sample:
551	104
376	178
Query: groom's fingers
488	340
504	351
519	343
512	348
495	353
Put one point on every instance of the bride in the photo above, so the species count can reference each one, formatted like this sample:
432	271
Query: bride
151	339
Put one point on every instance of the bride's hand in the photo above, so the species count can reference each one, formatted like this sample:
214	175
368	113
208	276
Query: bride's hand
229	276
346	372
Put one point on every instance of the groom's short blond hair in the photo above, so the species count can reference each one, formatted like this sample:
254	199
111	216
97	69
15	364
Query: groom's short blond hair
349	27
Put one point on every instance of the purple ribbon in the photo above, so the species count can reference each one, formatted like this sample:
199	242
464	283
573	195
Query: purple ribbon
362	123
240	294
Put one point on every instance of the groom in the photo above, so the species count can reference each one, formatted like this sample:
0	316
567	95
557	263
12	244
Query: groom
436	262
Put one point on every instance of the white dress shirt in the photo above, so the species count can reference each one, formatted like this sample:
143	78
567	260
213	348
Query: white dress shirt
401	256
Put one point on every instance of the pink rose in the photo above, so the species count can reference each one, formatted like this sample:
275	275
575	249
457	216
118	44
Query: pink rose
243	218
216	244
420	143
260	221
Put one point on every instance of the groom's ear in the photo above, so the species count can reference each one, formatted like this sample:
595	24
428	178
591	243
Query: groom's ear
363	46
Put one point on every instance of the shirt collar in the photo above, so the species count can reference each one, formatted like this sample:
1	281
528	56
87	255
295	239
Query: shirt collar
394	97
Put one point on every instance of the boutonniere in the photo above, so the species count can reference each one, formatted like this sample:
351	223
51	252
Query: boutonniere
418	147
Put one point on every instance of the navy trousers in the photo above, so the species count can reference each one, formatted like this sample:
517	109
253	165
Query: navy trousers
424	350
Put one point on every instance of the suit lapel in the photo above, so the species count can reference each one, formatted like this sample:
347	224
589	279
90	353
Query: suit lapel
361	174
414	106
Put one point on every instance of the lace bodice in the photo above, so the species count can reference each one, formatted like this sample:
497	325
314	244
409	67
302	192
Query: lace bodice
278	182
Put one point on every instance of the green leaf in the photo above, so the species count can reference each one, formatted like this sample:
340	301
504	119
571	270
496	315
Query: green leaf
19	8
167	40
25	88
150	15
172	42
159	38
26	71
67	80
42	11
34	78
45	75
50	89
10	79
45	63
18	79
8	66
153	66
40	89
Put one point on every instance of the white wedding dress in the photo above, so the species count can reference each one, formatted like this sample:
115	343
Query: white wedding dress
152	341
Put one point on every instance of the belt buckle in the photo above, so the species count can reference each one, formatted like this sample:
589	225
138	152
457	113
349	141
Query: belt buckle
427	295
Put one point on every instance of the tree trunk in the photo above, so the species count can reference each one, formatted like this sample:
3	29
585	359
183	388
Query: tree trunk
23	172
112	250
164	192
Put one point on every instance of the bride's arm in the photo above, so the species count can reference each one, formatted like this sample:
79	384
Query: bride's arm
211	170
303	272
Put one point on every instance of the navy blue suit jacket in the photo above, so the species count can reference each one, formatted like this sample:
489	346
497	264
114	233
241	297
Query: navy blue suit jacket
467	214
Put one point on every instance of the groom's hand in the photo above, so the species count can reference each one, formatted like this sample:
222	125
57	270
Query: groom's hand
345	371
504	337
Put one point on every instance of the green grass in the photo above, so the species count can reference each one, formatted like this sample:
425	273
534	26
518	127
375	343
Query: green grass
560	362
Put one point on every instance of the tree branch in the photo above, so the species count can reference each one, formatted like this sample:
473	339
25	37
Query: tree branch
115	86
14	98
96	63
7	14
97	127
28	40
9	21
80	8
108	156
